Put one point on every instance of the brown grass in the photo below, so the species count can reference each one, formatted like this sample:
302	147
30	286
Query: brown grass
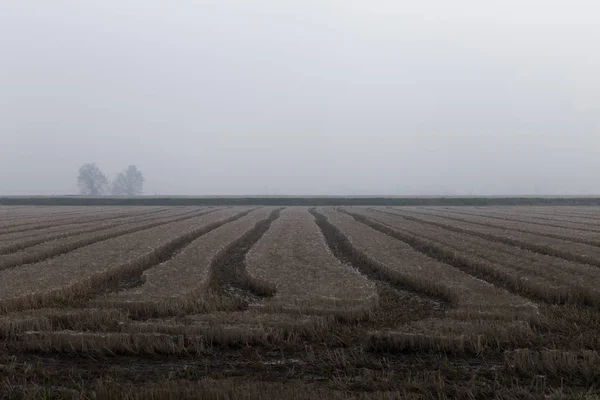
579	234
473	299
180	334
34	217
529	217
191	335
210	389
243	328
452	336
238	328
424	273
108	344
83	271
13	242
293	259
562	364
56	247
51	319
181	285
566	249
532	274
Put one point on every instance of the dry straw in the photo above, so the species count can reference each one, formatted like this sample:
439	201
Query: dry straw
56	247
293	258
535	275
475	302
83	271
566	249
181	284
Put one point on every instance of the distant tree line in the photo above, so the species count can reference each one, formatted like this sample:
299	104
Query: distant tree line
92	182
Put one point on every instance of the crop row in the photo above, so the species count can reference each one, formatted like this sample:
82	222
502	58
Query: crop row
181	284
41	219
54	227
40	249
589	213
14	242
80	272
566	249
557	221
579	235
531	274
293	262
110	331
475	303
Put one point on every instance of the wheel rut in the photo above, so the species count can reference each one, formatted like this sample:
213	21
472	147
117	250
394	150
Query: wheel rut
500	226
229	276
136	279
444	256
397	303
18	259
542	249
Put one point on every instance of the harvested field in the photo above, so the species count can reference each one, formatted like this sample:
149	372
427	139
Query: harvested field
293	263
575	233
179	284
528	273
30	251
298	302
564	247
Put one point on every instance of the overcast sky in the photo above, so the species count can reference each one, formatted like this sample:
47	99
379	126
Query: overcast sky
302	97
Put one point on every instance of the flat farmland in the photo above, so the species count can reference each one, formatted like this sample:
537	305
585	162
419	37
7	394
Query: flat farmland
264	302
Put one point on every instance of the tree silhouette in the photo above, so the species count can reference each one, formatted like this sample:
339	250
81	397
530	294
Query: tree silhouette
129	182
91	181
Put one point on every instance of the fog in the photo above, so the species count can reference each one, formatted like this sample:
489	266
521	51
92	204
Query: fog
285	97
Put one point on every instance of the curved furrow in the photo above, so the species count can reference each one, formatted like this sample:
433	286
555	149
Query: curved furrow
537	276
198	277
548	222
479	312
590	239
25	242
33	212
55	248
35	228
47	219
404	261
228	271
398	302
84	272
292	260
566	249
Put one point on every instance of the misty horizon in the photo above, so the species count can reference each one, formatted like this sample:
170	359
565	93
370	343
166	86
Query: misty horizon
288	98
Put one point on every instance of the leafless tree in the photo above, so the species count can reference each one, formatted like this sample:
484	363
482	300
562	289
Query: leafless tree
129	182
91	181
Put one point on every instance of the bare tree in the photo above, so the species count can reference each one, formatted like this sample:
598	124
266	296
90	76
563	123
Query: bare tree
91	181
129	182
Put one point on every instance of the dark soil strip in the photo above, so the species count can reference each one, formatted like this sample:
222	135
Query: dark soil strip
362	372
229	275
553	223
397	303
58	250
49	220
451	258
30	219
542	249
569	214
135	279
30	242
496	226
88	219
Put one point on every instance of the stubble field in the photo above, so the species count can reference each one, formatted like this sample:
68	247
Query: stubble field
139	302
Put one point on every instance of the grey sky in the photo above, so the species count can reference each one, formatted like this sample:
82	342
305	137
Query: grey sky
302	97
